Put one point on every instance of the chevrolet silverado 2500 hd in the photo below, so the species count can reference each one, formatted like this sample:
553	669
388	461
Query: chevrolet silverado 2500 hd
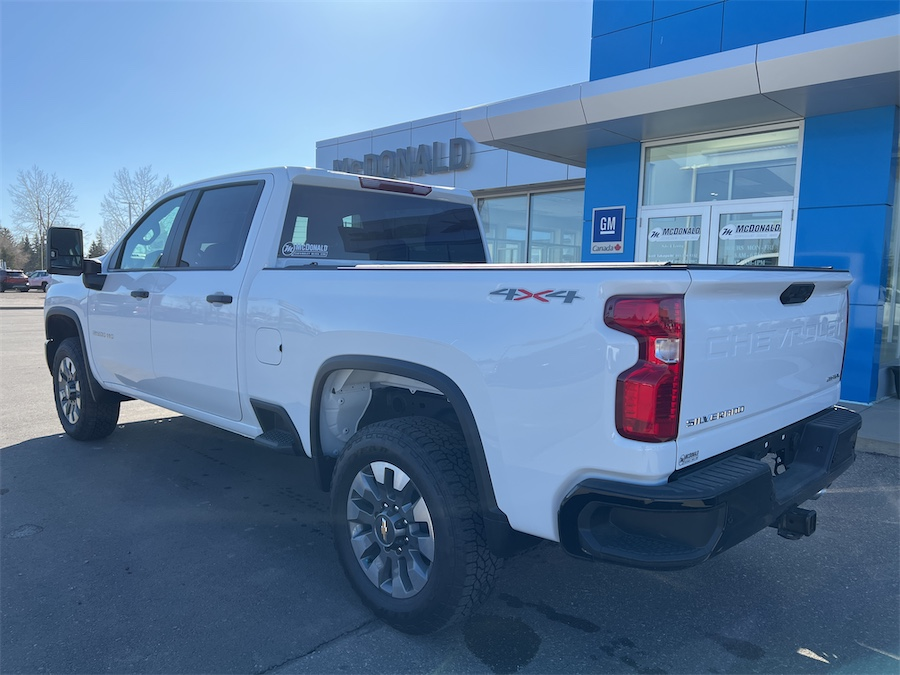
641	414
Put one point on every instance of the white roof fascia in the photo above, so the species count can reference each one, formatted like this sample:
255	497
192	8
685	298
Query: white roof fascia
843	53
771	82
717	77
545	111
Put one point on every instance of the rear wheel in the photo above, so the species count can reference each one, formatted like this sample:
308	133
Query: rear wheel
43	286
23	289
406	524
82	417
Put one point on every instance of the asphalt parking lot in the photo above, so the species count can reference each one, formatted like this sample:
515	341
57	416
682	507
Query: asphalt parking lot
172	547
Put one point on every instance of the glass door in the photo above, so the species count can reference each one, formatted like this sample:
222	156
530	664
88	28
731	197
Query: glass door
678	235
759	234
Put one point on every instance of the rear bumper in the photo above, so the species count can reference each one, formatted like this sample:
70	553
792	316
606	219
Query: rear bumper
703	511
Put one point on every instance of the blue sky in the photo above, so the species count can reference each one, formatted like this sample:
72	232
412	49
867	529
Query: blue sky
200	88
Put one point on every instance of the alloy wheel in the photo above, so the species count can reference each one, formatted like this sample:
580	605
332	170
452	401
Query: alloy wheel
391	532
68	390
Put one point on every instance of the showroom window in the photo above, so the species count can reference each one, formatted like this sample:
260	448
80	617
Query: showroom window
537	227
752	166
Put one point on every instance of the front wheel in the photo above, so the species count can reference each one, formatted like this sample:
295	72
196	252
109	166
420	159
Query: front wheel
406	524
82	417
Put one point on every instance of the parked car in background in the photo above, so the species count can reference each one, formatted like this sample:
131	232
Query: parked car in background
39	279
13	279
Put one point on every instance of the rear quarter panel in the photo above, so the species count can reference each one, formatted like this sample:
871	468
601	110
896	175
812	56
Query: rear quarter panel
539	376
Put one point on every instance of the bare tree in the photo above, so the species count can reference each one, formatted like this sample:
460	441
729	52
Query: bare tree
128	197
40	201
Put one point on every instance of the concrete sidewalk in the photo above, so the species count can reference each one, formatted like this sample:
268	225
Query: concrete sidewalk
880	431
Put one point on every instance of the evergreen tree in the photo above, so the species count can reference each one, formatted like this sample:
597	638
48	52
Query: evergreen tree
97	248
30	259
10	252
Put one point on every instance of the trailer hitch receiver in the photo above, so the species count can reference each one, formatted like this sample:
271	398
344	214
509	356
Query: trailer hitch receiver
796	523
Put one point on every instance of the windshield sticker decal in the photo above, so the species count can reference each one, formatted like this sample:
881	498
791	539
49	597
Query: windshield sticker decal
292	250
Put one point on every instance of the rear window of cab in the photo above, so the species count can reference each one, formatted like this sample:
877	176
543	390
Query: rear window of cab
332	224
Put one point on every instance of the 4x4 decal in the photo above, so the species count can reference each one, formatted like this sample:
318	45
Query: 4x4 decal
568	297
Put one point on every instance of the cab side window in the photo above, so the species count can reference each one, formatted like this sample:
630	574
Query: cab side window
144	247
219	226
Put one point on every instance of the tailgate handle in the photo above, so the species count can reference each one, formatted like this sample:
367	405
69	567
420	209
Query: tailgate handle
797	294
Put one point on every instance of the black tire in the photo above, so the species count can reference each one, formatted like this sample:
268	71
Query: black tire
43	287
446	569
82	417
23	289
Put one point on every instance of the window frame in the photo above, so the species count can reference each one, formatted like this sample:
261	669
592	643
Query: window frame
184	226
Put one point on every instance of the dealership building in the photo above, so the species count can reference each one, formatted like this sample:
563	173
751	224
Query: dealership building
748	132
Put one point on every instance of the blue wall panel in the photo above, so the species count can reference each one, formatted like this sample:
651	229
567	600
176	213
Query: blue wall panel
612	15
851	238
612	178
854	238
675	30
622	52
860	378
821	14
749	22
687	36
847	158
664	8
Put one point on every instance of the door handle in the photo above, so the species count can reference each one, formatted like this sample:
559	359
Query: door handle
140	294
219	297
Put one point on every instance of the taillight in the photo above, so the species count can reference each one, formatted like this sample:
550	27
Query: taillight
648	395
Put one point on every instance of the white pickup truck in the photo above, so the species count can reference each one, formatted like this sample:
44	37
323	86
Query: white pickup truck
457	410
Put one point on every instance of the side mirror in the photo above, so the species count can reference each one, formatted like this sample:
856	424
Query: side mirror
65	251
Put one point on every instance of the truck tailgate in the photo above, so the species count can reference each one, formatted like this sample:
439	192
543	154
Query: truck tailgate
759	354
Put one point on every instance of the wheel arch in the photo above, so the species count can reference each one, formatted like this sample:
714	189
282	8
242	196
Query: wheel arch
502	539
60	324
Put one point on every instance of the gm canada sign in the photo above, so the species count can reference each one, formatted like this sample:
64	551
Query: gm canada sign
412	161
608	229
